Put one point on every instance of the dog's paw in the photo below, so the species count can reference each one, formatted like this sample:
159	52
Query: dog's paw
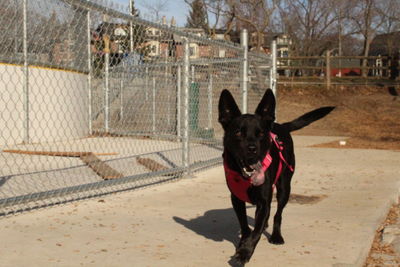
243	254
235	263
276	239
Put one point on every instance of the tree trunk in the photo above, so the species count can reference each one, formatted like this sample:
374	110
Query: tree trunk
259	40
367	43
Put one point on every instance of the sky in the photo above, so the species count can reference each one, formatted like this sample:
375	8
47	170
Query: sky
176	8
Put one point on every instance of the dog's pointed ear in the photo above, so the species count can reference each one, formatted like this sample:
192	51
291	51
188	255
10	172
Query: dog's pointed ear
227	108
266	107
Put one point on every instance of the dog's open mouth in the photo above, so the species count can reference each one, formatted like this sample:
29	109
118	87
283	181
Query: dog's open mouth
249	170
255	173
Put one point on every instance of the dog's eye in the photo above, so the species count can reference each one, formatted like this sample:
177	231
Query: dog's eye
261	134
238	133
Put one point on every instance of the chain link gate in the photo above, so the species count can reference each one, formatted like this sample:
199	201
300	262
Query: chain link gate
95	101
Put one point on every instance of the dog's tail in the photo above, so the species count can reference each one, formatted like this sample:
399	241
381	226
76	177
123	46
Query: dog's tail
306	119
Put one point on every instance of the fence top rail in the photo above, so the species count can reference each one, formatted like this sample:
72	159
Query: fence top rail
302	67
91	6
324	67
332	57
157	65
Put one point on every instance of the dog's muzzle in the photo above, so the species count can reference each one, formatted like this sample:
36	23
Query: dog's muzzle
250	169
255	173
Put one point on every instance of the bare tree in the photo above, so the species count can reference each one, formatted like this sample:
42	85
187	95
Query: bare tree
345	31
197	17
11	27
156	8
217	9
389	12
311	24
219	15
367	20
256	14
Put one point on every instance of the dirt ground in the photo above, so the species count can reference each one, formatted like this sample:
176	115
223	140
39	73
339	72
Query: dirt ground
368	116
381	253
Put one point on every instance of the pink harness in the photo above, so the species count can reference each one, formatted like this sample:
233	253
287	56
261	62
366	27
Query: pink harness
239	186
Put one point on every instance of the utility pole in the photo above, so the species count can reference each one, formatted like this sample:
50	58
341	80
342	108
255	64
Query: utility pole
328	69
131	11
340	39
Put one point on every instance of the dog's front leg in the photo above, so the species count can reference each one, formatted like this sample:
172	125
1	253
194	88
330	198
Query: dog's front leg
240	209
246	249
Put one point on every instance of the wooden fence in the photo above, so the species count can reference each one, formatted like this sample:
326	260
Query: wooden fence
330	70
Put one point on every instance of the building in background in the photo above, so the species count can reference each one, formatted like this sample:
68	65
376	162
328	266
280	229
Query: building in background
386	46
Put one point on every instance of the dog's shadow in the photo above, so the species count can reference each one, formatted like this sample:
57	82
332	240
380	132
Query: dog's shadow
217	225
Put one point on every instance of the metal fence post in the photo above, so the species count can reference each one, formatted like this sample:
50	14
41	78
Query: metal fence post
153	109
273	71
89	78
146	84
131	27
167	89
209	101
178	102
106	93
121	86
26	75
245	66
185	117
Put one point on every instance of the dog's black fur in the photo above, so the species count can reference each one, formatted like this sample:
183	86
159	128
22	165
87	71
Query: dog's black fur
246	142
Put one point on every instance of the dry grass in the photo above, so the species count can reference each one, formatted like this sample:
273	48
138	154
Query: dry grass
379	249
369	115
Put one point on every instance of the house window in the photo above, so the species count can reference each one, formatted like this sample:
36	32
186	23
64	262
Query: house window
283	53
192	51
119	32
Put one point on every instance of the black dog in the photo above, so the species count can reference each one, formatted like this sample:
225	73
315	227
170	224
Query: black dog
255	162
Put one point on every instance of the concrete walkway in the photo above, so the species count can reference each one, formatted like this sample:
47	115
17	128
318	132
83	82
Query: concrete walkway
191	222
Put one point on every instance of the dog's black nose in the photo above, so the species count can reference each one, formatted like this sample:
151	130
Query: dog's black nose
252	149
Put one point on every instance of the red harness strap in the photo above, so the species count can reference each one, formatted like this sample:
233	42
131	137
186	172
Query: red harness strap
239	186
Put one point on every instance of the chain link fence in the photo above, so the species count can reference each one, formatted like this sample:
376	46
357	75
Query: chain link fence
95	101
